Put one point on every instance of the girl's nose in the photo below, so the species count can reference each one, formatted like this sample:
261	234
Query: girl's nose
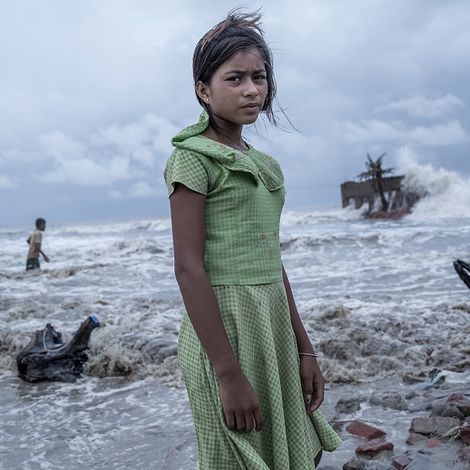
251	88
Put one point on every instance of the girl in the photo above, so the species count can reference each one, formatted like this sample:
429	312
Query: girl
252	377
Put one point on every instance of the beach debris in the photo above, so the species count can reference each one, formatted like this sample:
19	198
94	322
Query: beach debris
48	358
374	447
401	461
463	270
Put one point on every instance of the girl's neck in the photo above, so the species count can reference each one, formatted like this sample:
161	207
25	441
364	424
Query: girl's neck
227	133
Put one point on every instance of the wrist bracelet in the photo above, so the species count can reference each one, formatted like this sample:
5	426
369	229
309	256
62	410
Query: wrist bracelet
308	354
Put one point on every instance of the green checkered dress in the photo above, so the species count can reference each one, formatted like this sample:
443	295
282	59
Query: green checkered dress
244	197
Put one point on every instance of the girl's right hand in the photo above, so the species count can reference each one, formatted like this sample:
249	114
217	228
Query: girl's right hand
240	403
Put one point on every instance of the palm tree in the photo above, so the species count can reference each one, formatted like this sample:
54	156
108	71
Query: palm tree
375	172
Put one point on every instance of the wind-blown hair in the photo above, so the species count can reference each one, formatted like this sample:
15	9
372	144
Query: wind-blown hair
237	32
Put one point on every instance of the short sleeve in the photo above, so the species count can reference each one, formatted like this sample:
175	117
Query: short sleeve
188	169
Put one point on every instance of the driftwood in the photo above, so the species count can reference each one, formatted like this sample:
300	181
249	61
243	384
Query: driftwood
463	270
48	358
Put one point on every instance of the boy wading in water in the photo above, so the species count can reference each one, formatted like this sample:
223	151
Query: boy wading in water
35	241
251	373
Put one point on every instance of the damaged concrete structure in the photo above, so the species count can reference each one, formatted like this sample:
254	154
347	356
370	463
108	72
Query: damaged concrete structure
365	192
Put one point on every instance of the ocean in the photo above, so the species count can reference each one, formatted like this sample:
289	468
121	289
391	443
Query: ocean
380	300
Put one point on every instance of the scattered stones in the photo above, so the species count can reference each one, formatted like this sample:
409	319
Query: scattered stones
362	429
435	425
391	400
374	447
437	442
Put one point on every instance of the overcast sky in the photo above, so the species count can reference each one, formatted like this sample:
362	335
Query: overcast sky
91	92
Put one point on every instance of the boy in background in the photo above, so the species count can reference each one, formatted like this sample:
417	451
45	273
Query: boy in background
35	241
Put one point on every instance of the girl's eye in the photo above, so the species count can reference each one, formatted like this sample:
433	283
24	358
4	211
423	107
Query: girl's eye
260	77
234	79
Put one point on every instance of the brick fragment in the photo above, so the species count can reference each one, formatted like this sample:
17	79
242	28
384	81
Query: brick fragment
433	443
400	462
374	447
415	438
365	430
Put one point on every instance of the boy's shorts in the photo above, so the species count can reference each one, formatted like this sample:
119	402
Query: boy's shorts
32	263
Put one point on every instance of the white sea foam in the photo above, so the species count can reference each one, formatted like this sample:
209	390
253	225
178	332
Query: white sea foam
445	194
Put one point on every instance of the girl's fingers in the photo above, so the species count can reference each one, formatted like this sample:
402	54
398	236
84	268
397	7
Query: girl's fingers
240	422
315	405
318	398
230	420
258	419
249	422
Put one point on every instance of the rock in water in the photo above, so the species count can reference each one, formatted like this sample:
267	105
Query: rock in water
48	358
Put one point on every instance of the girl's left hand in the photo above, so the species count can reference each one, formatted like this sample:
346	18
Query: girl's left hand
313	383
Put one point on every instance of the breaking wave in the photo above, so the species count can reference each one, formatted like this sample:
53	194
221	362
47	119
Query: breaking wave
444	193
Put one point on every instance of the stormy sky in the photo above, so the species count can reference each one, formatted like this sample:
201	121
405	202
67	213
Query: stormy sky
91	92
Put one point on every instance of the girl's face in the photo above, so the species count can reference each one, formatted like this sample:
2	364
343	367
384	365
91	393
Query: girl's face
238	88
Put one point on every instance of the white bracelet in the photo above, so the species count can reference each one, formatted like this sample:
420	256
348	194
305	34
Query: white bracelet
308	354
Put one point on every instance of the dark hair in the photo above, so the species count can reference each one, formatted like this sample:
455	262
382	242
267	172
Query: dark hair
237	32
40	221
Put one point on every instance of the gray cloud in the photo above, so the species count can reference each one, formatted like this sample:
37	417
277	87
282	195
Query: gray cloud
91	93
419	106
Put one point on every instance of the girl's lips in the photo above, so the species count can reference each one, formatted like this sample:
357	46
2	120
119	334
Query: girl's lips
251	107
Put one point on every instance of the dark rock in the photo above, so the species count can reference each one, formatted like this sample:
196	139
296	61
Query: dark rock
435	425
367	431
374	447
48	358
411	379
411	395
461	402
348	405
400	462
339	425
444	409
353	464
391	400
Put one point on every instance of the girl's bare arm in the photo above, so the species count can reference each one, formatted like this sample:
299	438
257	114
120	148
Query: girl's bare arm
239	400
